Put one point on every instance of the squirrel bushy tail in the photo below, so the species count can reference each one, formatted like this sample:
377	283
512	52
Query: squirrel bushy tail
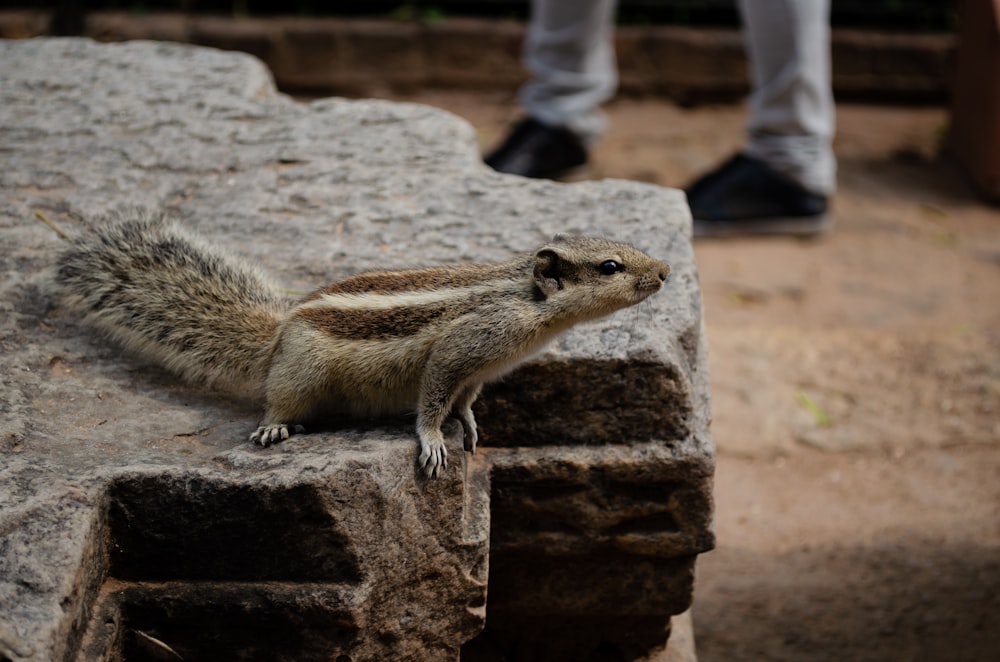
168	296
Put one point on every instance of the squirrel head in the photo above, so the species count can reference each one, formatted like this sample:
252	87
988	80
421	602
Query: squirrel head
589	277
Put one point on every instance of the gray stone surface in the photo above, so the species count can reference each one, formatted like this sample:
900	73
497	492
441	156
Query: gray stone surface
128	497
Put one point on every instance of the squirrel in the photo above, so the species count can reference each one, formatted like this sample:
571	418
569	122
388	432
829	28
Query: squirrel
376	343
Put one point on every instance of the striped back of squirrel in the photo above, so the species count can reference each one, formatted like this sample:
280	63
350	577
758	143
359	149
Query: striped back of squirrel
384	341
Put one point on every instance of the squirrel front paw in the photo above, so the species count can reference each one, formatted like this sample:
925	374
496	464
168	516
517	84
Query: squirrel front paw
266	435
433	456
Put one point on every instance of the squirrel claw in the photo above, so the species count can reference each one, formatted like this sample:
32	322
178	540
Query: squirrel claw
470	434
469	442
266	435
433	459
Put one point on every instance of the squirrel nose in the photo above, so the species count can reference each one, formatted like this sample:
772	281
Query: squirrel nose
664	271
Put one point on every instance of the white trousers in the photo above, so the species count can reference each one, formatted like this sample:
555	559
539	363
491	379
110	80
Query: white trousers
569	51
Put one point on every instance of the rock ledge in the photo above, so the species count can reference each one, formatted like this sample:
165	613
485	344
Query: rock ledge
132	510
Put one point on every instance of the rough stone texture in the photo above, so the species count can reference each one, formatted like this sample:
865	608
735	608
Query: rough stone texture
131	505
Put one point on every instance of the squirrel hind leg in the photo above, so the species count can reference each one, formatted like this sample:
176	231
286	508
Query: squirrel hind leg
470	436
462	410
265	435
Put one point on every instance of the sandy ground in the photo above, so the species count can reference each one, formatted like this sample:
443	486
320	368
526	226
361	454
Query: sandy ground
856	394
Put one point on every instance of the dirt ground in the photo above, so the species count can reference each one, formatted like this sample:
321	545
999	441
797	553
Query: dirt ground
856	394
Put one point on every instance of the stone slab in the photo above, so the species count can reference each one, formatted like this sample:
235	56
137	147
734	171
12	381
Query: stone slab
123	491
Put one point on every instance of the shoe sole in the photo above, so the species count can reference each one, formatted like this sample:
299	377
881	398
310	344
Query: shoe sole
810	226
567	175
578	173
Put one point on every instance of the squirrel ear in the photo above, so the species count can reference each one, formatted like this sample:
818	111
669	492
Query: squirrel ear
547	271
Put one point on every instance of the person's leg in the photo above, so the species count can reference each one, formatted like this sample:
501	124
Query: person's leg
781	182
569	51
791	121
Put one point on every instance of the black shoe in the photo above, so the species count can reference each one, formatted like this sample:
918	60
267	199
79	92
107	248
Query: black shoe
745	196
537	150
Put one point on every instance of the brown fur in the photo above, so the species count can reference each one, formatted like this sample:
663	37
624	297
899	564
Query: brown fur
434	278
378	324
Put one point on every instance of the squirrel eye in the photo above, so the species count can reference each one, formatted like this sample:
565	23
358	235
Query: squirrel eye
609	267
